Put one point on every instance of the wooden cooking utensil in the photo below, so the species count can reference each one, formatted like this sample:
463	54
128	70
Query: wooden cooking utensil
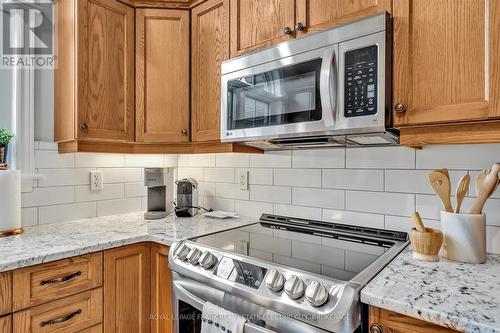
417	220
480	179
441	184
462	188
489	185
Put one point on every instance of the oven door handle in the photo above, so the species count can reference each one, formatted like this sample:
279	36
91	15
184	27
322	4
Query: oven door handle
197	302
328	85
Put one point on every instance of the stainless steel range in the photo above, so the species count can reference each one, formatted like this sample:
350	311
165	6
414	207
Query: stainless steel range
285	274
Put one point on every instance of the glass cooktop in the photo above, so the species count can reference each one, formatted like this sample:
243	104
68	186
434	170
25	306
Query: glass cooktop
334	250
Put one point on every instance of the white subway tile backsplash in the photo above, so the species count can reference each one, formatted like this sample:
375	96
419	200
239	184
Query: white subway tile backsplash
110	191
318	158
201	160
97	160
52	159
380	158
121	175
415	181
271	159
219	175
231	191
298	177
298	211
370	180
64	177
322	198
144	161
381	202
275	194
135	190
375	187
226	205
354	218
70	212
196	173
48	196
232	160
120	206
29	216
463	157
252	208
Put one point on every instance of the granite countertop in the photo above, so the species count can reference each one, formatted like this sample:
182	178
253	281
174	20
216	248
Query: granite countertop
462	297
56	241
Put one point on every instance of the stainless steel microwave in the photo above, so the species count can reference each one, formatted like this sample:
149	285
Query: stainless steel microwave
331	88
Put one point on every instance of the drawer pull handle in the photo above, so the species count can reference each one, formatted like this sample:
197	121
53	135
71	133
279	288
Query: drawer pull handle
61	279
60	320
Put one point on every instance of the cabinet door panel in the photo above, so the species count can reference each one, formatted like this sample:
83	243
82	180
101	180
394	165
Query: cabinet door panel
105	70
5	293
317	15
161	290
443	71
162	105
259	23
210	46
6	324
127	289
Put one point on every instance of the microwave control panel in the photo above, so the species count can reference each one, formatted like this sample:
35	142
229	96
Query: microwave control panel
360	89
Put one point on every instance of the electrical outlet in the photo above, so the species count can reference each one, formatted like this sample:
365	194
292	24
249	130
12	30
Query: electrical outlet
244	180
96	181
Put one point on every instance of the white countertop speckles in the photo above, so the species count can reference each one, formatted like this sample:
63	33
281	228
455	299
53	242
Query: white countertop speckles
460	296
56	241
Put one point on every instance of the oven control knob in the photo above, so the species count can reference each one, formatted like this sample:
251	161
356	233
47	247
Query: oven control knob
294	287
316	294
182	252
207	260
193	256
275	280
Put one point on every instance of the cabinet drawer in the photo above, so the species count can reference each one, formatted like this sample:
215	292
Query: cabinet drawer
5	293
47	282
68	315
93	329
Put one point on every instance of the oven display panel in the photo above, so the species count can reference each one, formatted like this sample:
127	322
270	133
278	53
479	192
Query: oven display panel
360	97
240	272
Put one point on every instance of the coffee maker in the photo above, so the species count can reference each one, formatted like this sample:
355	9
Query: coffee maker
159	199
187	197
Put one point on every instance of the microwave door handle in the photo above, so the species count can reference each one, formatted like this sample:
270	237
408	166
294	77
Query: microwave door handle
328	85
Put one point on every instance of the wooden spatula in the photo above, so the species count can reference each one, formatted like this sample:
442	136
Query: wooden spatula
441	184
462	188
489	185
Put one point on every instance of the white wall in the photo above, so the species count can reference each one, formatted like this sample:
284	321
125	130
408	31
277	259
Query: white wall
376	187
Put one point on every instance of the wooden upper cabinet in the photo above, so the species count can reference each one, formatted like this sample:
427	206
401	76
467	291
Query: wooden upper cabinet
446	63
260	23
162	75
315	15
209	47
105	62
127	289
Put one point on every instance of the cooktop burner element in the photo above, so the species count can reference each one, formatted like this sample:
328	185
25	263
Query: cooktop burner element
308	269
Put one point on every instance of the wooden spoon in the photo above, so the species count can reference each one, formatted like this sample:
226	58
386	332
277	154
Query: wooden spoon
441	184
489	185
480	179
462	188
417	220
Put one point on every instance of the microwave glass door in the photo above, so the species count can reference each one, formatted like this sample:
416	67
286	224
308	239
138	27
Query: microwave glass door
278	97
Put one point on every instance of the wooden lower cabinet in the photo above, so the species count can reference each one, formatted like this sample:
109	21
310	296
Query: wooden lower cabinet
384	321
161	290
5	293
127	289
6	324
69	315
